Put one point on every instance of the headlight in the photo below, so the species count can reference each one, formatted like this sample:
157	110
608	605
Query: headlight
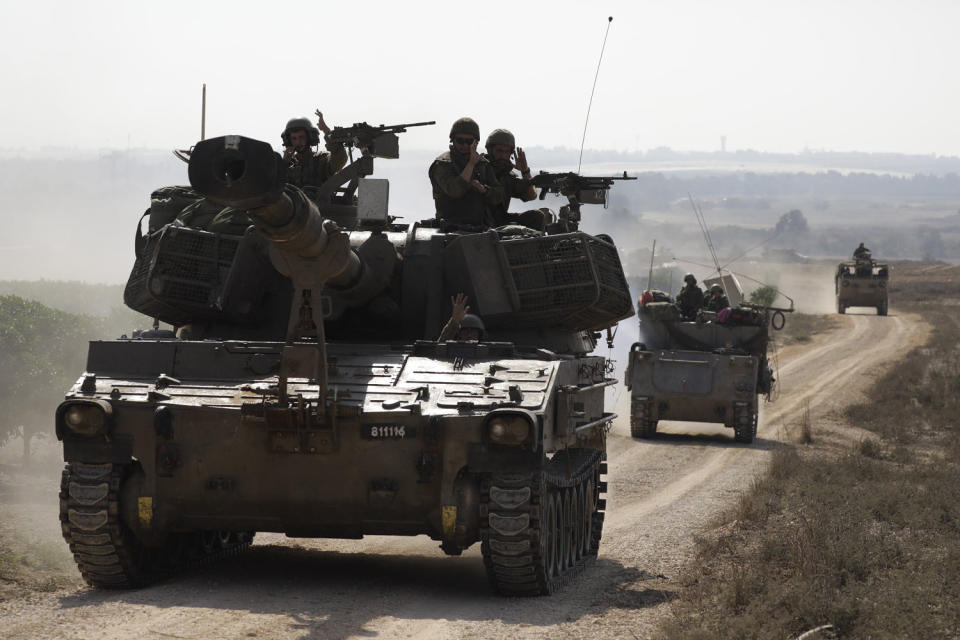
508	429
87	419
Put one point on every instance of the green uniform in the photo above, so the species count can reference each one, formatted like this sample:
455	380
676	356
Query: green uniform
449	331
716	303
514	186
316	169
456	200
689	301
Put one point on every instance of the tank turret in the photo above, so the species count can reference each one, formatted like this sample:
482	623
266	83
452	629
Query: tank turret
313	252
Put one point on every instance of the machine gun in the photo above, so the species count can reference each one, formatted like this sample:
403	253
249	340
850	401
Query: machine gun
379	142
578	189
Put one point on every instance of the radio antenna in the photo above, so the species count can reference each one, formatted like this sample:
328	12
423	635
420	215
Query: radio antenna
590	104
653	252
203	114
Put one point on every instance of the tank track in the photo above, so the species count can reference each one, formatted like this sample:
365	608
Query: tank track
108	555
744	422
641	425
540	528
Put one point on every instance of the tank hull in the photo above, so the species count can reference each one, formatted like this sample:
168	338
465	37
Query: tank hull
404	446
693	386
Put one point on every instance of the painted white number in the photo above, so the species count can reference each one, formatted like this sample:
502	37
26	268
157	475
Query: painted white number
388	431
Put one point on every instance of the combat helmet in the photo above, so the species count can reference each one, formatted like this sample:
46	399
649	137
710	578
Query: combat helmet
500	136
313	134
714	288
465	126
471	321
690	278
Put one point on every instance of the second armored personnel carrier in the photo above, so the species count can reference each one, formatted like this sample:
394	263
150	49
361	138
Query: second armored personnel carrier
709	370
862	283
303	390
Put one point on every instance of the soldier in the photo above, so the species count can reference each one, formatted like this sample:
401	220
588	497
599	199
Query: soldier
860	251
690	298
462	325
306	167
717	300
465	187
501	147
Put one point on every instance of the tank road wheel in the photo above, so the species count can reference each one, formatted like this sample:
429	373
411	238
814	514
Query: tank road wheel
641	426
745	423
540	527
107	553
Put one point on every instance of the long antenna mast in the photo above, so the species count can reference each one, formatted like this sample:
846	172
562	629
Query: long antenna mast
203	114
702	221
594	88
653	252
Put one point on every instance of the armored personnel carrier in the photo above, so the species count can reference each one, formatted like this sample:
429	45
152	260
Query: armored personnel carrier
709	370
862	282
303	390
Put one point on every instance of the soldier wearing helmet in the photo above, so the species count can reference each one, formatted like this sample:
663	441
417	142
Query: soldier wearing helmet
465	187
462	325
501	149
717	299
690	298
305	166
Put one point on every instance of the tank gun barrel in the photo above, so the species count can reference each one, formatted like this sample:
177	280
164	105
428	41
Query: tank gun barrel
248	174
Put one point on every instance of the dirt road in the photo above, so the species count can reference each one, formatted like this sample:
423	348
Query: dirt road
662	493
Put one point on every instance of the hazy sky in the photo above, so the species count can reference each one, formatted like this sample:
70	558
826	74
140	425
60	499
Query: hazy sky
770	75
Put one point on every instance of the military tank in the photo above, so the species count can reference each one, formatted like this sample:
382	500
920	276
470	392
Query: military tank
302	389
862	282
712	369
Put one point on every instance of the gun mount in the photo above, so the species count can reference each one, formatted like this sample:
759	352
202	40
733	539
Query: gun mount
578	190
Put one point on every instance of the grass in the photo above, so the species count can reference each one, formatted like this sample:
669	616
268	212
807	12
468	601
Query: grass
28	564
801	327
867	541
33	555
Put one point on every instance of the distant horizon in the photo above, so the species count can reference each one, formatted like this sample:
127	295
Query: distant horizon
557	148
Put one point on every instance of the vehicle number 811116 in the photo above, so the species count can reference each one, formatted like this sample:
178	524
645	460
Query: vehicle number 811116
388	431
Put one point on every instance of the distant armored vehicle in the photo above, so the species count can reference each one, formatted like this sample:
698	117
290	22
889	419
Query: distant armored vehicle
709	370
862	283
304	391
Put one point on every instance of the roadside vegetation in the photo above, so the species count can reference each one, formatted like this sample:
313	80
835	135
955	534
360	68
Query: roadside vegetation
44	330
42	352
801	327
31	562
865	538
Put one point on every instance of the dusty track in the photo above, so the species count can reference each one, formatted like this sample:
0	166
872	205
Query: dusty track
662	493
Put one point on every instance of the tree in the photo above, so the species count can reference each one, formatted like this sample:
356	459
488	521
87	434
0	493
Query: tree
764	296
792	222
42	352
